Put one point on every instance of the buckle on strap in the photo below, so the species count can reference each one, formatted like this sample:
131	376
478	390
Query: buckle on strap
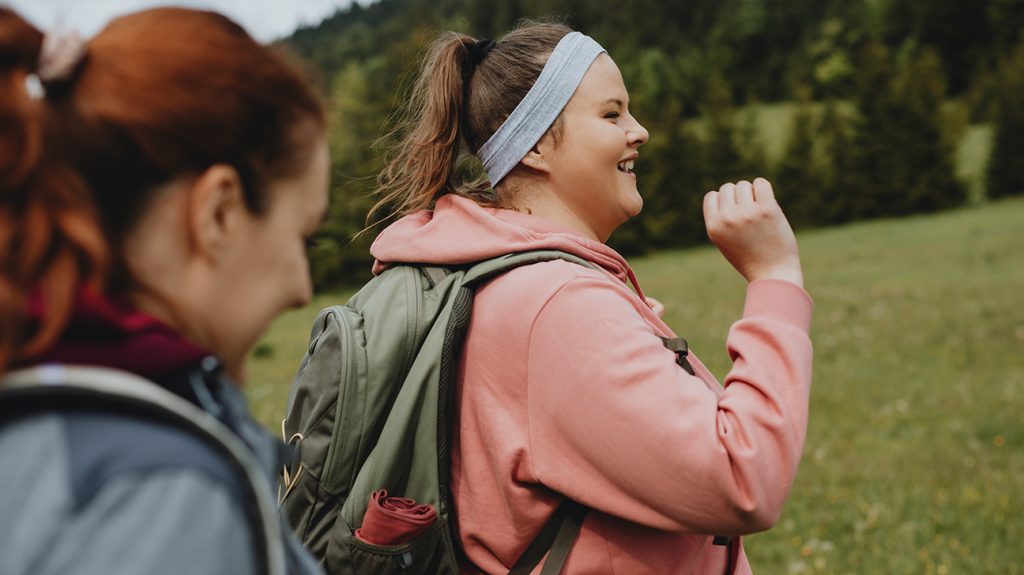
679	346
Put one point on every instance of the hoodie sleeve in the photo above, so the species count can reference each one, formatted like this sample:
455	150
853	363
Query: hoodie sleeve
616	424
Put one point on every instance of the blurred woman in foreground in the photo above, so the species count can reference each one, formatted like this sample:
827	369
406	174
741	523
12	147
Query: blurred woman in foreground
158	183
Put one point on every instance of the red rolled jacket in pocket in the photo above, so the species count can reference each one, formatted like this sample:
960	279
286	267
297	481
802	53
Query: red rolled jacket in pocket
394	520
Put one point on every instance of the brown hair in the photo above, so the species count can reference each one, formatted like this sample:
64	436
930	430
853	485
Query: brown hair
454	105
159	94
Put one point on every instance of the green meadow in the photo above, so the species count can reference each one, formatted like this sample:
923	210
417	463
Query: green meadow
914	461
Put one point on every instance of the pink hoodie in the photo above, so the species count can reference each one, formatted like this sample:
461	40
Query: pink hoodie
566	388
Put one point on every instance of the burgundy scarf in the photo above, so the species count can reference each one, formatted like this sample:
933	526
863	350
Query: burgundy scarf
107	333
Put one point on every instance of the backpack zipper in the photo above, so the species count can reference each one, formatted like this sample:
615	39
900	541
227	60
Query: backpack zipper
332	459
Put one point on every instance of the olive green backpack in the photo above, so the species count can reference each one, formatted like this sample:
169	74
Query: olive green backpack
371	408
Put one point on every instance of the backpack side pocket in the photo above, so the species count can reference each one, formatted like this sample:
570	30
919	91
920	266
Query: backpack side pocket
321	400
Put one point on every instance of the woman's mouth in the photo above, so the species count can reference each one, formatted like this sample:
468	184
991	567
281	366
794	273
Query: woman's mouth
626	167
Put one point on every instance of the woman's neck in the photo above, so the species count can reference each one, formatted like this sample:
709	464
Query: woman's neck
539	200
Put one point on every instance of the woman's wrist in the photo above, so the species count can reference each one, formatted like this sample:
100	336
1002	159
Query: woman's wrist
794	275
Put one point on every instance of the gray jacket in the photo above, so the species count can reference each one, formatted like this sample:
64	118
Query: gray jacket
90	490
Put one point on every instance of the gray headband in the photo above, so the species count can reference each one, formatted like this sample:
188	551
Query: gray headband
525	126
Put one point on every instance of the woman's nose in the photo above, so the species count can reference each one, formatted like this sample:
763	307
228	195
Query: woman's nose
638	134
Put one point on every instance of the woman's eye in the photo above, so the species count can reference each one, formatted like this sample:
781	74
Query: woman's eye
612	115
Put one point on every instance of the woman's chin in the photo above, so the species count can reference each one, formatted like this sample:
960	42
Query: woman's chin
634	205
630	209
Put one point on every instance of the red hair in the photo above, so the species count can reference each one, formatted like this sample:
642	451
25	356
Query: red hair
159	93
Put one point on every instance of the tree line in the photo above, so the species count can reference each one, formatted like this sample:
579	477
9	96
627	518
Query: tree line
871	136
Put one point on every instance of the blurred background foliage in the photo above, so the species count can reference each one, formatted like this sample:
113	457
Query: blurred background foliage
857	109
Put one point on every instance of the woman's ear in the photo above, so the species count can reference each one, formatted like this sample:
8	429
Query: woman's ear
539	156
216	210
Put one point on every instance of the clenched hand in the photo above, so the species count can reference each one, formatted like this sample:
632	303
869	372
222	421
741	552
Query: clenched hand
747	225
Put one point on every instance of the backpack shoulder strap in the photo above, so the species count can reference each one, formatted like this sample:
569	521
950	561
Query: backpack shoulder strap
436	274
488	269
57	384
557	535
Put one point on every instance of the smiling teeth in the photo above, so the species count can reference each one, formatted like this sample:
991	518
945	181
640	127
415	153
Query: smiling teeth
626	166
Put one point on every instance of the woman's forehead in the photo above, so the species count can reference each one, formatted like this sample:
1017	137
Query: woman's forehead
602	84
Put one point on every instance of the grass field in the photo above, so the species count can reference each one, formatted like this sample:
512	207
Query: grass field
915	454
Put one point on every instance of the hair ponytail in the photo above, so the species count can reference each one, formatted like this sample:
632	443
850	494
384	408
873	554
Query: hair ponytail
430	133
457	102
50	238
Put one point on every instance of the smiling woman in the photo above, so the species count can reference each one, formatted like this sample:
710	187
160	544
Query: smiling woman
571	392
156	190
587	178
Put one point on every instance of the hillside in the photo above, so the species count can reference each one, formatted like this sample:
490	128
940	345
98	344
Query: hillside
908	81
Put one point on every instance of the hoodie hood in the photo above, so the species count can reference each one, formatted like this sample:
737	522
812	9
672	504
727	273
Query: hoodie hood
458	231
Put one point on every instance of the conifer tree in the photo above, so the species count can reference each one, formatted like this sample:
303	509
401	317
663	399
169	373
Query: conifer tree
1005	174
928	175
875	150
902	157
799	181
723	159
839	179
750	141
